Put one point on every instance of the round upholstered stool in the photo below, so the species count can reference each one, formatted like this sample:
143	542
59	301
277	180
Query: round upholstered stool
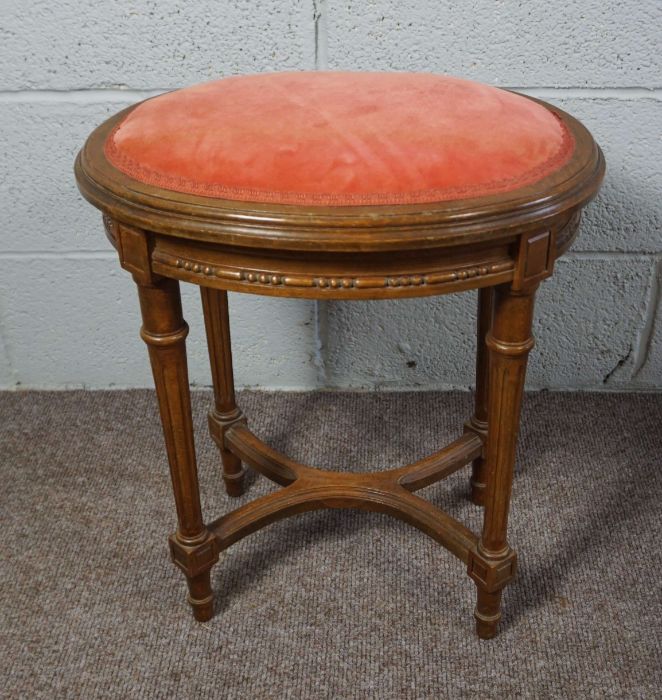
341	186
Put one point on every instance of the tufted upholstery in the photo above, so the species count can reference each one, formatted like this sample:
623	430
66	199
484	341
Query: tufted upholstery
331	138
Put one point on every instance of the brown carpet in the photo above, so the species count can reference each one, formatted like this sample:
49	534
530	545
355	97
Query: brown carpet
332	604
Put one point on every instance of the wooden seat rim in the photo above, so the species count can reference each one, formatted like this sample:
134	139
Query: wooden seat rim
355	228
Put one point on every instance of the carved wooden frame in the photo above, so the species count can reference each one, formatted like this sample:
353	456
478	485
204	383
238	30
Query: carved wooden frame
503	245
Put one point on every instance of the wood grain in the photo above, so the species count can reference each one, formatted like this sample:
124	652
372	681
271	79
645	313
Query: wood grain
502	245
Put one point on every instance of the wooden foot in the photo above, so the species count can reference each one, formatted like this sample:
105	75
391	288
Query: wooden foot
233	477
225	412
487	613
201	597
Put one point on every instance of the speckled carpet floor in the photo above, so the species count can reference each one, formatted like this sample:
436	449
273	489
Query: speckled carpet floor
332	604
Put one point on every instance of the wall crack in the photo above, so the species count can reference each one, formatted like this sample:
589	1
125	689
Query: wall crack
320	28
618	366
648	329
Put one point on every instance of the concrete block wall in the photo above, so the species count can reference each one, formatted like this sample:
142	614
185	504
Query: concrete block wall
68	314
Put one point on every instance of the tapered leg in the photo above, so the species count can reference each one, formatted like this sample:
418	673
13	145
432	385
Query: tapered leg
226	412
164	330
478	421
509	343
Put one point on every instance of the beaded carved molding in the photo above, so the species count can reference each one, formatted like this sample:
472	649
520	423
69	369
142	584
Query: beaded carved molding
257	277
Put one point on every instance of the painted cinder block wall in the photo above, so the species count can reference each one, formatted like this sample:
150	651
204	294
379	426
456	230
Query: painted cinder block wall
68	314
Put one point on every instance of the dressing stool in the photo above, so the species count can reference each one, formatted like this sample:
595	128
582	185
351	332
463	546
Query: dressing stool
331	185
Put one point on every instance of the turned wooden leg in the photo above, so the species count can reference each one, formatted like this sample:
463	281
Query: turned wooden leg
225	412
509	343
164	330
478	422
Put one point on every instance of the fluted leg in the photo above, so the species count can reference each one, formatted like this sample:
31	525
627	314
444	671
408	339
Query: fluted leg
509	342
225	412
478	421
164	330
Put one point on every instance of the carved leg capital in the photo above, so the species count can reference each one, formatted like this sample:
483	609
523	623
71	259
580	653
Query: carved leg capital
479	427
233	471
196	560
219	423
492	574
191	558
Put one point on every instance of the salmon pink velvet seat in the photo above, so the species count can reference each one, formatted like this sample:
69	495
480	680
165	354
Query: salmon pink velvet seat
341	186
340	139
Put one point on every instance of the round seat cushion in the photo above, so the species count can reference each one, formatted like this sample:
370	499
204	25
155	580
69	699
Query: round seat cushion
340	139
